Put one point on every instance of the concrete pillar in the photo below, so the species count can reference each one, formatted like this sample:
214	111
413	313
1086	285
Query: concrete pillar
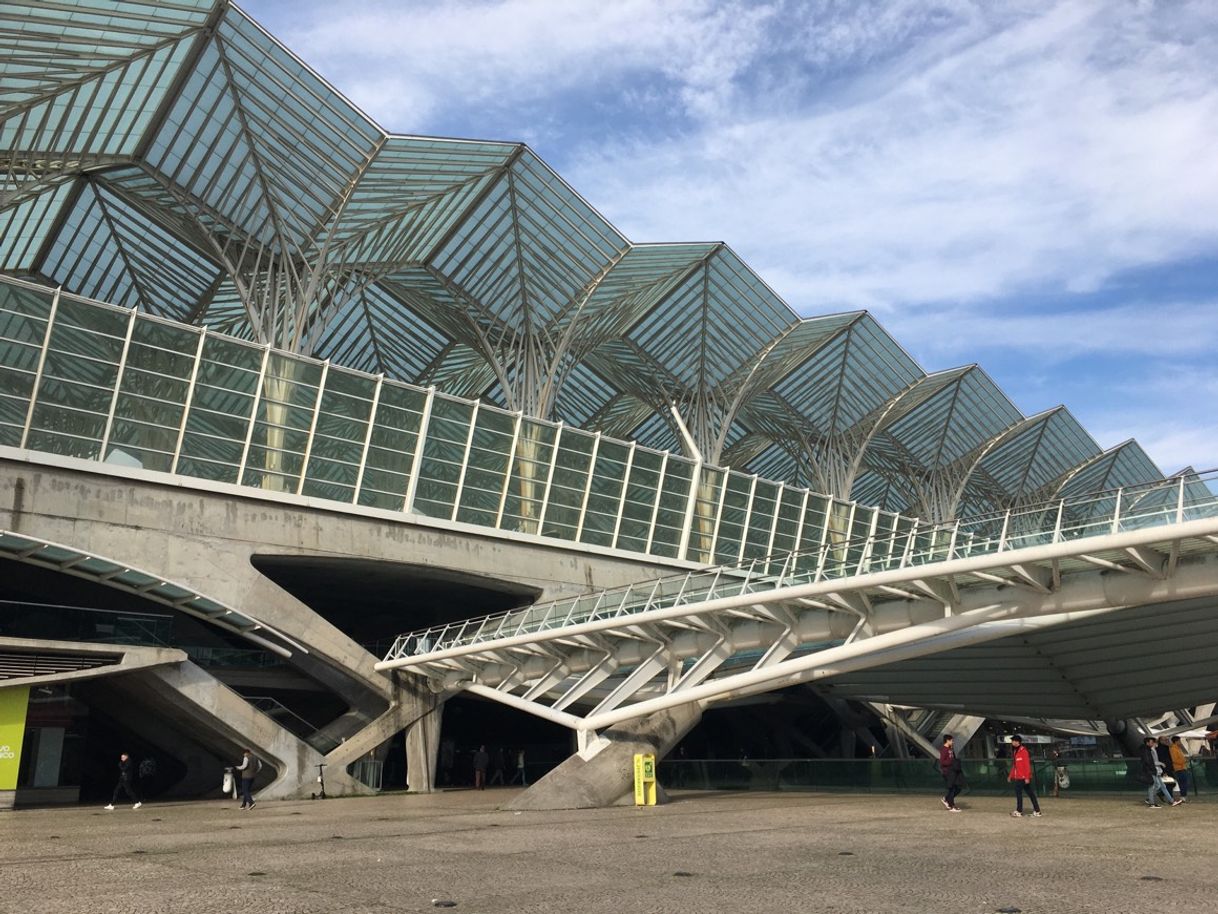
423	743
590	781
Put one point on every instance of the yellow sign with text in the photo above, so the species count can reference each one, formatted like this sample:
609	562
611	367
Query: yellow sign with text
644	779
14	702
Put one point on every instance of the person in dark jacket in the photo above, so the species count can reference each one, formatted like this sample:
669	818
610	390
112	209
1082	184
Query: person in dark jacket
952	771
481	760
1152	775
1021	776
249	768
126	782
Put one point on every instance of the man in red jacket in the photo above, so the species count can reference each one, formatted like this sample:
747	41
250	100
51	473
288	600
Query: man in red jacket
1021	775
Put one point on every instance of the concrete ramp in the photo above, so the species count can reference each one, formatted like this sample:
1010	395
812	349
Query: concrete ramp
192	697
605	774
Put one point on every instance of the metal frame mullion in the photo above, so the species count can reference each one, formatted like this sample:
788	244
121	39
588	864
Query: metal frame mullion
118	383
769	546
583	505
469	444
545	498
687	524
42	360
308	451
416	466
507	476
621	502
190	397
655	508
868	546
363	457
727	478
748	519
249	432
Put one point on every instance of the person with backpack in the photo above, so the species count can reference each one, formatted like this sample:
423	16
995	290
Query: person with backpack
953	773
1022	777
249	768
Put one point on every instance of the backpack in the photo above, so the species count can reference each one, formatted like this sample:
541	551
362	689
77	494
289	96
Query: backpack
148	768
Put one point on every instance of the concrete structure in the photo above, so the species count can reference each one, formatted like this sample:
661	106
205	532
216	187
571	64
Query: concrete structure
277	384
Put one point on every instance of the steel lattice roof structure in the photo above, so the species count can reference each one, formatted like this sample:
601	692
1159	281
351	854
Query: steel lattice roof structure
176	158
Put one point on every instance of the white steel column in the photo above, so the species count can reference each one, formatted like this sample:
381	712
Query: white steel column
621	502
507	475
727	476
308	451
249	432
118	383
687	524
363	457
469	443
748	517
583	505
190	396
545	498
416	465
655	507
42	360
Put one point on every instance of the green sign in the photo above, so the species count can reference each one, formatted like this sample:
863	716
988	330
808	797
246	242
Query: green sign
14	701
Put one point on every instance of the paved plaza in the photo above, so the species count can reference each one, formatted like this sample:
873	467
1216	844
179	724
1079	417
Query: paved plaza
705	852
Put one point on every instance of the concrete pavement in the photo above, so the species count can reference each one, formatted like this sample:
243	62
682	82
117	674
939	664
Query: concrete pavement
705	852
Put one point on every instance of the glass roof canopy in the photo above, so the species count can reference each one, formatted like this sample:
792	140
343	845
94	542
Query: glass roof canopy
174	157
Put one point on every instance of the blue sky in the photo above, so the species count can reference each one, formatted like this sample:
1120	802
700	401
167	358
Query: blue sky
1028	185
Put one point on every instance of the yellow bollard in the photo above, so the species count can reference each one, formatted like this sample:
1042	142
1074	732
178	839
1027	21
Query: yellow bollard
644	779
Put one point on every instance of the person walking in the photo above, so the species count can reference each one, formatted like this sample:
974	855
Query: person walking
1022	777
953	773
498	763
249	768
519	770
1179	766
481	760
126	783
1061	774
1152	775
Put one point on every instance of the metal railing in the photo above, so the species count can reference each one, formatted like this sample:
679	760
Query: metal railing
1169	501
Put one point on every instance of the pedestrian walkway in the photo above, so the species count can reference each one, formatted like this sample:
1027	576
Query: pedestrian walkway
704	852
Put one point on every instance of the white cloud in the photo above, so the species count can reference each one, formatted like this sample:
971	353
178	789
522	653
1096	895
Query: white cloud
1032	155
403	62
1170	330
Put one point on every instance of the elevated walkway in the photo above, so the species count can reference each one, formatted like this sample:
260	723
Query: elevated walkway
846	608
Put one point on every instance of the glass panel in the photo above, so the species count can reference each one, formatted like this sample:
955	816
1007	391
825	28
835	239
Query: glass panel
443	453
526	490
788	526
642	489
702	531
731	523
674	500
78	377
569	483
488	463
281	432
761	519
605	495
395	434
152	394
338	442
23	317
220	408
